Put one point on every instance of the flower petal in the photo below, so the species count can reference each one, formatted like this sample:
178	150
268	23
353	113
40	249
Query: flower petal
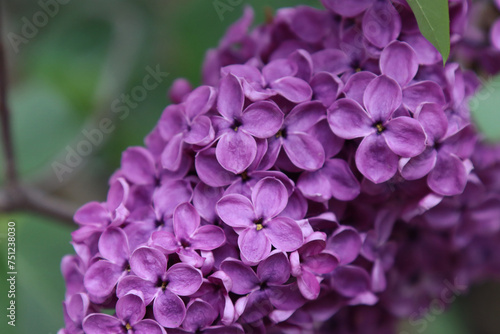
92	213
210	171
262	119
254	245
345	244
399	61
243	277
113	245
98	323
148	263
382	97
293	89
199	101
201	131
350	281
326	87
169	195
101	278
165	241
433	119
269	197
375	160
208	237
304	116
138	165
236	210
356	85
183	279
275	269
148	326
348	8
449	175
405	136
199	315
422	92
419	166
172	154
169	309
235	151
186	220
130	308
381	23
348	120
333	61
343	183
308	285
132	284
285	234
304	151
231	98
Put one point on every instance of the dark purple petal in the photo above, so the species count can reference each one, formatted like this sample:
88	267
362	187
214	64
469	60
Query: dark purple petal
148	263
449	175
304	151
405	136
293	89
419	166
269	197
243	277
170	194
350	281
344	185
348	8
138	165
186	220
101	278
285	234
275	269
309	24
322	263
210	171
113	245
254	244
208	237
235	151
286	297
199	315
326	87
375	160
433	119
236	210
422	92
348	120
345	244
304	116
382	97
231	98
101	324
130	308
204	200
169	309
183	279
262	119
333	61
399	61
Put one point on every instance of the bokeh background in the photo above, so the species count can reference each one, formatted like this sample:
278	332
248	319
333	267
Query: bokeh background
65	78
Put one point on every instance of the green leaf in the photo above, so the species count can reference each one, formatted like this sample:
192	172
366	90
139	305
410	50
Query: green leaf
485	110
434	22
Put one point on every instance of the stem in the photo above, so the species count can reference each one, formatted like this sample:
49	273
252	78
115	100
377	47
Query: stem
8	147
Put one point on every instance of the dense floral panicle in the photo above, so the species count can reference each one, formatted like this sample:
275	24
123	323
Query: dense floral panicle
325	178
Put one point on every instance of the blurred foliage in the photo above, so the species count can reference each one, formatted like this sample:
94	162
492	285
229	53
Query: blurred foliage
87	55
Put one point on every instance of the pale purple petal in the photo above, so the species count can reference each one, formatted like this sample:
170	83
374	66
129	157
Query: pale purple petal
326	87
381	23
204	200
419	166
322	263
148	326
333	61
382	97
113	245
345	244
375	160
275	269
279	68
172	121
231	98
186	220
102	324
343	183
262	119
201	131
356	85
286	297
405	136
236	210
169	309
170	194
199	101
293	89
350	281
131	284
130	308
399	61
309	24
165	240
304	151
308	285
495	35
285	234
199	315
101	278
269	197
148	263
92	213
183	279
254	245
348	120
210	171
243	277
138	165
208	237
433	119
422	92
235	151
449	175
172	154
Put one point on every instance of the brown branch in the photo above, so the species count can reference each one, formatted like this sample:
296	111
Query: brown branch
7	143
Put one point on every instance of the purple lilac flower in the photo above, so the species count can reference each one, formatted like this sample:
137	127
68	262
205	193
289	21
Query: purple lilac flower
384	138
257	220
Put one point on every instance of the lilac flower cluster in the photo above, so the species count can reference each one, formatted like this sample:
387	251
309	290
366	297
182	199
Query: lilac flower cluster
325	178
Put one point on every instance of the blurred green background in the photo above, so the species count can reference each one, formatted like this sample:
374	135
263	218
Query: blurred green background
66	76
